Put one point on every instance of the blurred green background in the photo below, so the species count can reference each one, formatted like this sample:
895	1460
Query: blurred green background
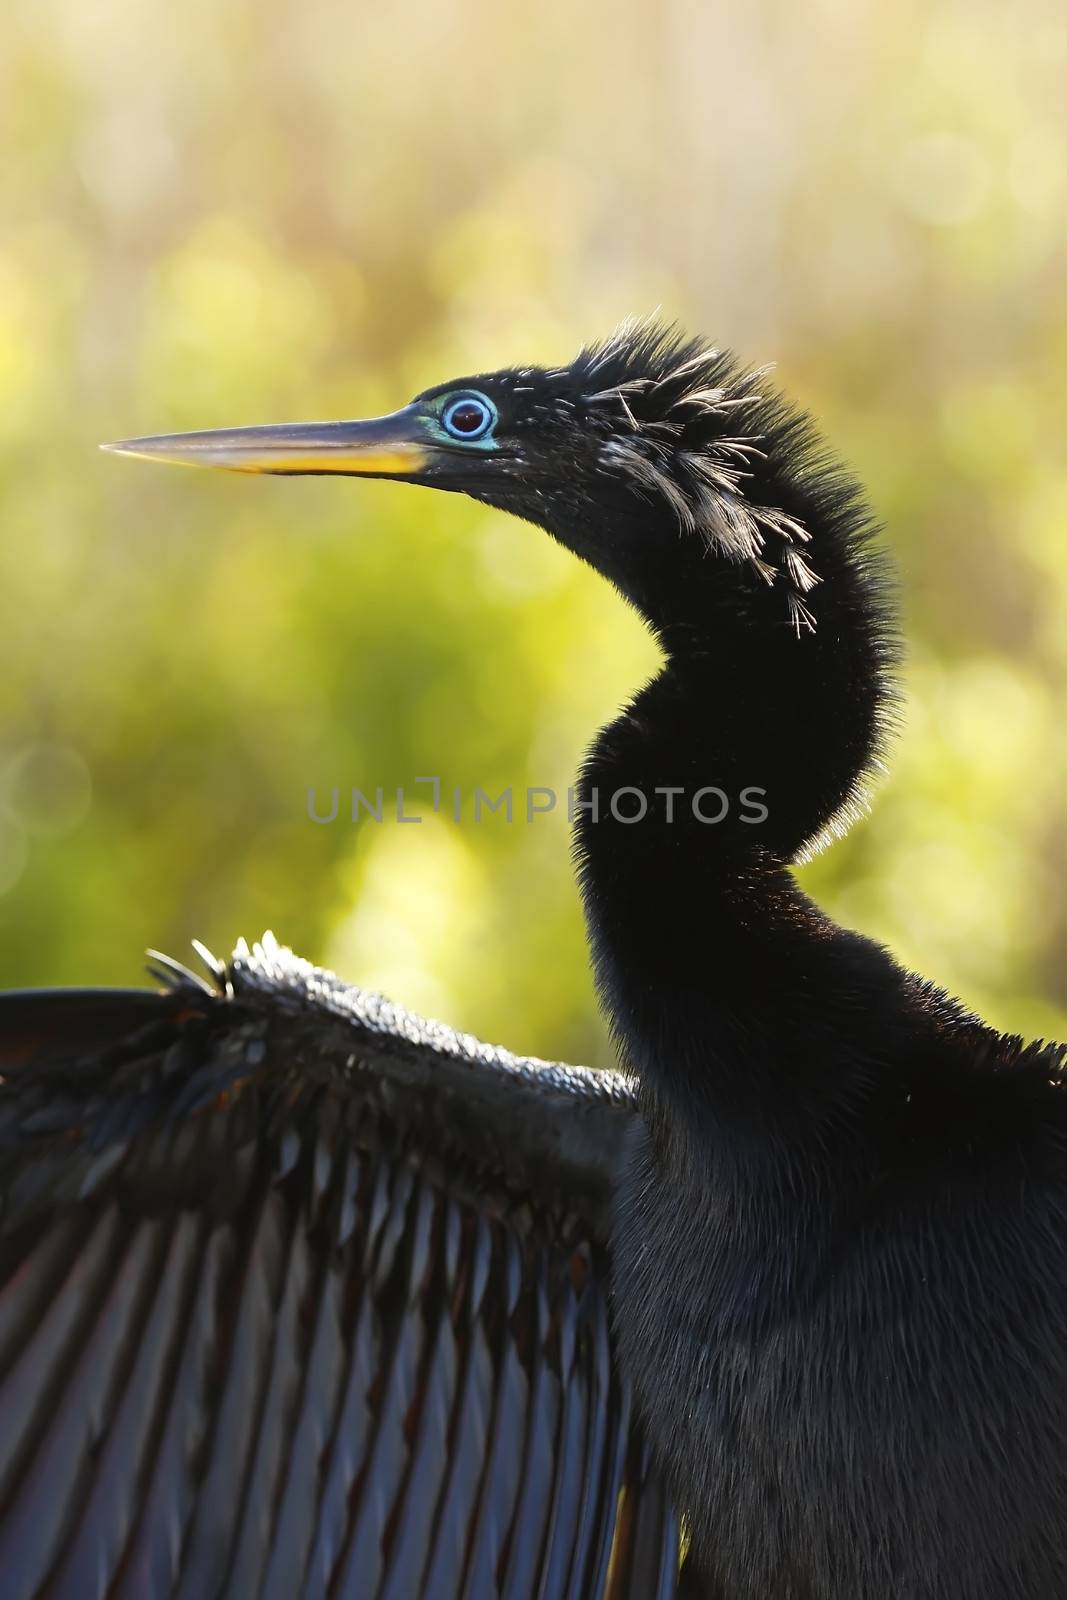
222	213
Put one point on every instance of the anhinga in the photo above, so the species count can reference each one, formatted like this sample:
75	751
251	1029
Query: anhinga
300	1295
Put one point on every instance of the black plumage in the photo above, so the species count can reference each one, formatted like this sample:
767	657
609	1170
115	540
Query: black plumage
835	1232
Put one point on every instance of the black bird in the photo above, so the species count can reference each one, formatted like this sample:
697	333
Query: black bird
832	1221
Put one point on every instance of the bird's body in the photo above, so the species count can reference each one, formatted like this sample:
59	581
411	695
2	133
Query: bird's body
848	1329
837	1242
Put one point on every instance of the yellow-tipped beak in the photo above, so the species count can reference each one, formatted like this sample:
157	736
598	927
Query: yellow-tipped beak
385	447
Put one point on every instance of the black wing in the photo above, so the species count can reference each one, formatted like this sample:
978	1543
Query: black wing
301	1296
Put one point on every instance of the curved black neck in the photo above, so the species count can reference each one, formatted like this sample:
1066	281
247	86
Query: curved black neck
751	740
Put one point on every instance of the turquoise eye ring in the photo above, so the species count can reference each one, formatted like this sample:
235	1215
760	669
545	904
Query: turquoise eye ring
469	417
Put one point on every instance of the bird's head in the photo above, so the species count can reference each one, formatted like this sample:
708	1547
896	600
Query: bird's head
655	457
703	497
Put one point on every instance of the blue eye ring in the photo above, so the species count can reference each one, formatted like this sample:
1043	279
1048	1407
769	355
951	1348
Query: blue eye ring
469	416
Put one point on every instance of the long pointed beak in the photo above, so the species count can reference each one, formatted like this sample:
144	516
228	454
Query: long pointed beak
396	446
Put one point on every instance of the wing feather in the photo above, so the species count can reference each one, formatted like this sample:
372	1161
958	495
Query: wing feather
262	1336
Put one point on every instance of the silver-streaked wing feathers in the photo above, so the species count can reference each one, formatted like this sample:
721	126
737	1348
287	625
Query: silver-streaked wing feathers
303	1296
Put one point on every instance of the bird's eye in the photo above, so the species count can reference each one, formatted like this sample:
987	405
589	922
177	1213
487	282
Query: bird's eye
469	416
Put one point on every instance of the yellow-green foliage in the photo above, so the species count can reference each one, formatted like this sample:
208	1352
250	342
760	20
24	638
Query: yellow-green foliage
222	213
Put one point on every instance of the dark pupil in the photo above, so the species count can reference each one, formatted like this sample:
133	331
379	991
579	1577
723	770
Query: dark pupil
467	417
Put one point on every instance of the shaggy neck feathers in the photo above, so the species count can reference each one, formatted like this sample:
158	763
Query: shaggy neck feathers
749	554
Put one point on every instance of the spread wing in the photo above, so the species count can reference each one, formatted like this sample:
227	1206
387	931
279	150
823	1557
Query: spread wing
300	1296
